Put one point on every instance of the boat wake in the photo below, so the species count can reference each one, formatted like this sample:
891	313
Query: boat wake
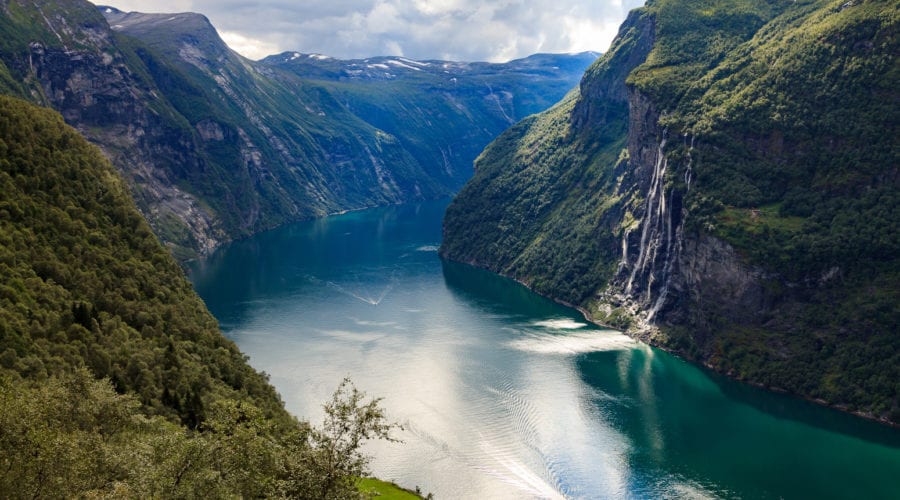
574	343
363	293
560	324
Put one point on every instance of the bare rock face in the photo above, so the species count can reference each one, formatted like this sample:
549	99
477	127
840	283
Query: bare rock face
603	87
717	280
209	130
93	85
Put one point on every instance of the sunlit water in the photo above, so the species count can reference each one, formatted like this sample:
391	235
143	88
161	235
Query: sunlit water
504	394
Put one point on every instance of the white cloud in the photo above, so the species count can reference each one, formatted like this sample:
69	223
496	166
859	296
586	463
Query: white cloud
248	47
588	34
383	19
494	30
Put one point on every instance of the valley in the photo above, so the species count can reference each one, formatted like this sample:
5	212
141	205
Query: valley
668	270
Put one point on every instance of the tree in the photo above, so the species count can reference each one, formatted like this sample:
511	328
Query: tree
325	463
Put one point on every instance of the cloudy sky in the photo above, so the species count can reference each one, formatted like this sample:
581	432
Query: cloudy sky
467	30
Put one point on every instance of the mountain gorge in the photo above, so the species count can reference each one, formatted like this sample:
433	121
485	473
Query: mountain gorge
443	112
723	185
218	147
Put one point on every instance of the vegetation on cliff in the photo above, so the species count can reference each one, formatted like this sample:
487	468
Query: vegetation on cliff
769	126
114	378
217	147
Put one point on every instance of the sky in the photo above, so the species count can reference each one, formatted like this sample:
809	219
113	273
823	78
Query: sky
459	30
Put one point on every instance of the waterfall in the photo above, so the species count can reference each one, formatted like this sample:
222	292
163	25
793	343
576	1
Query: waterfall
667	269
661	238
688	170
656	201
624	262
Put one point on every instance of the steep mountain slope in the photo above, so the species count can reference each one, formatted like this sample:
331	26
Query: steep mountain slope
725	185
443	112
86	284
214	146
62	54
114	379
206	145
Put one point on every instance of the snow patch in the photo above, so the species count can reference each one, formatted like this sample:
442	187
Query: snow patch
400	64
414	63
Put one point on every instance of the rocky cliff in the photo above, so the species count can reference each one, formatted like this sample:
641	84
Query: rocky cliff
722	186
216	146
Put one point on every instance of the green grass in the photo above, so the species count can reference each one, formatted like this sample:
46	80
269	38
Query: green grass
757	220
385	490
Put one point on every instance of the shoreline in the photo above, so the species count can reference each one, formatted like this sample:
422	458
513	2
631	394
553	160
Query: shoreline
642	336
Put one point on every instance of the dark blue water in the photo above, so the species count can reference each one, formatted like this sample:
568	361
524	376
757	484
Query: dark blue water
507	395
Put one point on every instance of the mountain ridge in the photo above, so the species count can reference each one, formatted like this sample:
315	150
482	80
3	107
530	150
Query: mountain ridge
218	147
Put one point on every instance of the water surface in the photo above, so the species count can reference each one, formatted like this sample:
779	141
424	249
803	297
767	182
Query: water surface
505	394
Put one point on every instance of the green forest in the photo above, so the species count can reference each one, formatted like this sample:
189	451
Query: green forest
780	120
114	378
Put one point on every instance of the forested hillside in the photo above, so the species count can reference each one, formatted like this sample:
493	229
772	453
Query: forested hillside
725	185
114	378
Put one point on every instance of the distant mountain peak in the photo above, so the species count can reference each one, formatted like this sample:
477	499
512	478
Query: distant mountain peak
188	34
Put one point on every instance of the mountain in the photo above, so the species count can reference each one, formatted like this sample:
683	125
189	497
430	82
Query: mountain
217	147
443	112
86	283
114	378
724	185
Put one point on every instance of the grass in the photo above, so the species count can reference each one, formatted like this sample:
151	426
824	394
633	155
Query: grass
385	490
753	220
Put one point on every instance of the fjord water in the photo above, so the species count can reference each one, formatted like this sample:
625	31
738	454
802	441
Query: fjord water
504	394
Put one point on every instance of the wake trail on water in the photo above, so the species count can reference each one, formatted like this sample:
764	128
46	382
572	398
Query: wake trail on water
368	299
560	324
491	461
572	343
362	293
518	475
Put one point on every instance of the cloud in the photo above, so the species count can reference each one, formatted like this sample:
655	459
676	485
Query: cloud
253	48
468	30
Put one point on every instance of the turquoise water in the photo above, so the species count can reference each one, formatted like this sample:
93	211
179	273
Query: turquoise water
504	394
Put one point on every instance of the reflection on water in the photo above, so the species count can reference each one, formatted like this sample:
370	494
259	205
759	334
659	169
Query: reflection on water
504	394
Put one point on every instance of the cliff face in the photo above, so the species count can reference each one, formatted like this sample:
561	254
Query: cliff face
721	187
218	147
64	55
